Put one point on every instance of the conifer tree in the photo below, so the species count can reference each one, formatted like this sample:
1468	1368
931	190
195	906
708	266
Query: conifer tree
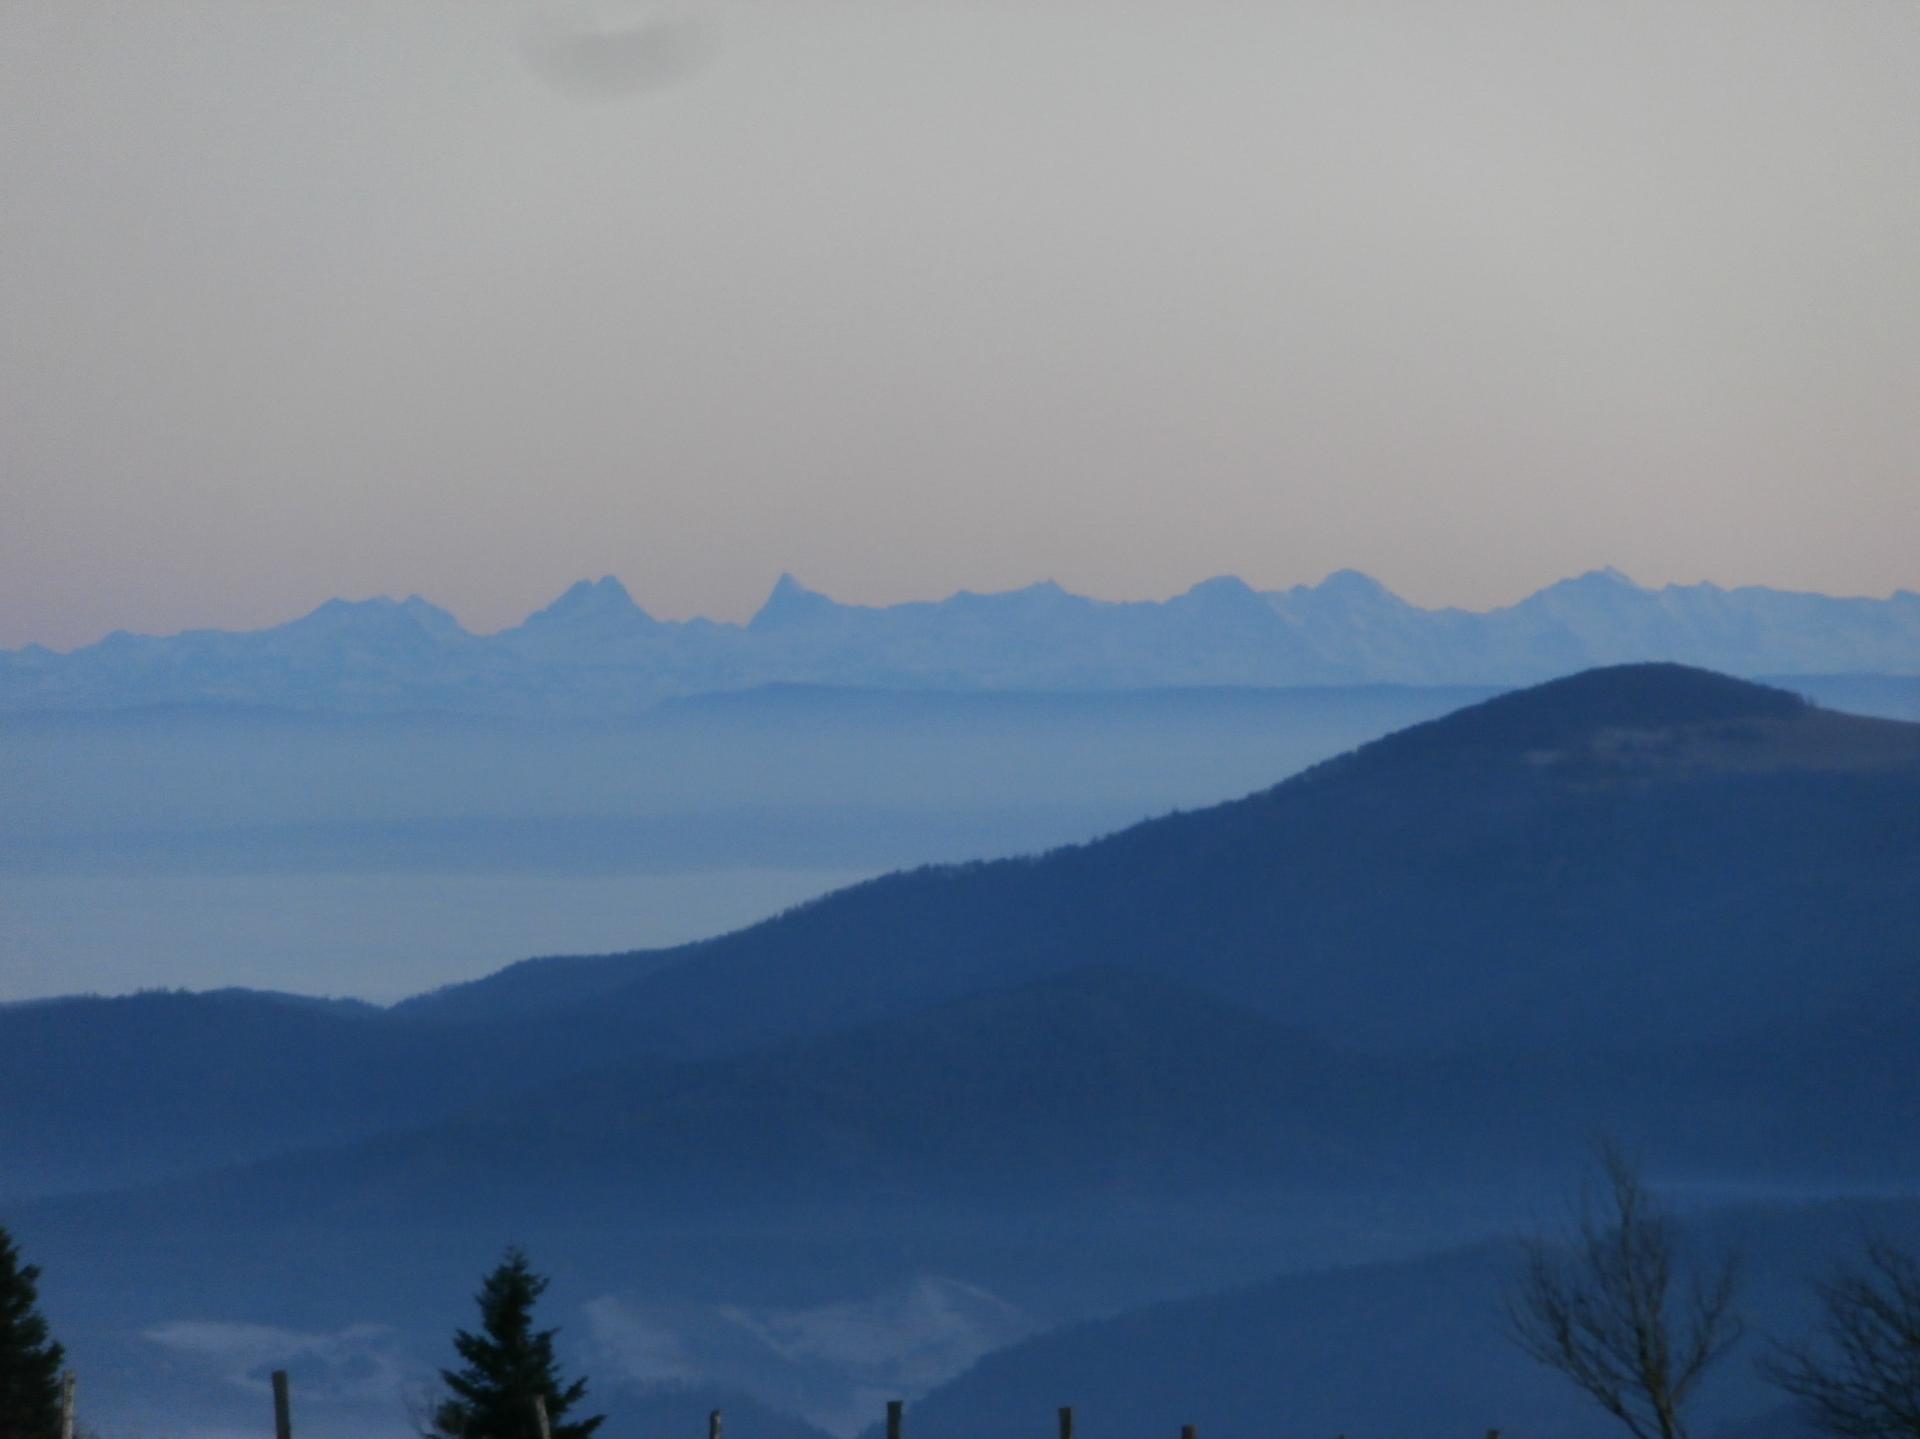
29	1359
508	1363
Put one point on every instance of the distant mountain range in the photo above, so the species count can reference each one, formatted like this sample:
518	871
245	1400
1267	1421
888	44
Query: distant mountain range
594	651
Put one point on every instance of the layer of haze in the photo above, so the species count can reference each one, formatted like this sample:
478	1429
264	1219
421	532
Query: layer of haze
476	298
372	936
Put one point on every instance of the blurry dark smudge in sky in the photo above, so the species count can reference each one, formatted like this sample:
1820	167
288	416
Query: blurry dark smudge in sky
613	52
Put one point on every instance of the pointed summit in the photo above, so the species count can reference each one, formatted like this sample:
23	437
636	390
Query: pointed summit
790	602
604	596
594	620
1341	599
787	588
606	588
1224	598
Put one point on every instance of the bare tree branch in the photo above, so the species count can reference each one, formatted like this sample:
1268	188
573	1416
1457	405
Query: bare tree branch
1599	1306
1861	1379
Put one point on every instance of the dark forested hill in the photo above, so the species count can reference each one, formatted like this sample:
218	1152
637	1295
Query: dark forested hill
96	1092
1634	856
1099	1080
1036	1098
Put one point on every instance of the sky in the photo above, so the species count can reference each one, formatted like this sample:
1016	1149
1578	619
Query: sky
473	298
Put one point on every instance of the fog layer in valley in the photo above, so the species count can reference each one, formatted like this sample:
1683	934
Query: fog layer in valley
377	857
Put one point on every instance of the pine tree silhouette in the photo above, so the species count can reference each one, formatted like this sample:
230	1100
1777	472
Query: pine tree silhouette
508	1364
29	1359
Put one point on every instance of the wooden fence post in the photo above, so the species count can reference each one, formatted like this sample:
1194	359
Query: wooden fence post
68	1383
540	1424
1187	1431
1066	1422
282	1406
895	1410
714	1425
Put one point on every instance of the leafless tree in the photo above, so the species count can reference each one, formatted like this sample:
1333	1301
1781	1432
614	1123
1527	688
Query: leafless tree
1606	1305
1861	1380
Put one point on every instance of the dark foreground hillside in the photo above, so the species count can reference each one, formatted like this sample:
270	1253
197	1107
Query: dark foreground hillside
1415	1347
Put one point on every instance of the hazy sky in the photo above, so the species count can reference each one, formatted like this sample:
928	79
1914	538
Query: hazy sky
475	298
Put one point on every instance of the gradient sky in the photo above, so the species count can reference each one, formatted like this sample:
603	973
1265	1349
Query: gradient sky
474	298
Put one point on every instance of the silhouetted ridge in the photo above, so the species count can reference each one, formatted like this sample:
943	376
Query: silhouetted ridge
1635	697
1101	1076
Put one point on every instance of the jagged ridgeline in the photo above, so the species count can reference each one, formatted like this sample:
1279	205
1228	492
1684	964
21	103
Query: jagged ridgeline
595	652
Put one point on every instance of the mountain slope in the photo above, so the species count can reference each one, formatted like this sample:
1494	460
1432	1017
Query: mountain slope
1095	1084
1634	856
101	1092
1097	1081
